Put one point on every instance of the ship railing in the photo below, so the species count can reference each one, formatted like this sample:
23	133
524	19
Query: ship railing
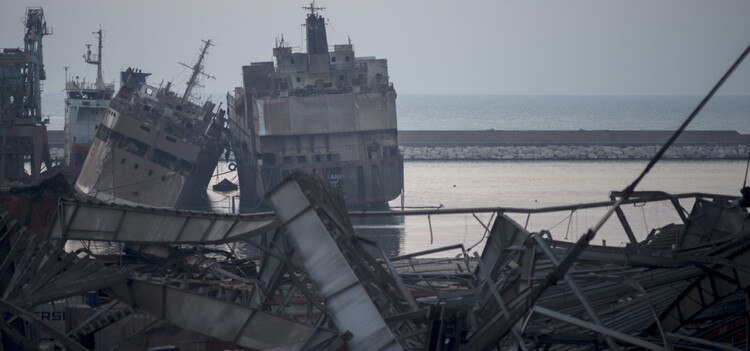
73	85
643	214
369	88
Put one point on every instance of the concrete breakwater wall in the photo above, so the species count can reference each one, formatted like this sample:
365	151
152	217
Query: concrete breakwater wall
570	145
573	152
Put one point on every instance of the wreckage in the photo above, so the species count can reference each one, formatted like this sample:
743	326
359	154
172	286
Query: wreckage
150	138
172	277
327	112
318	286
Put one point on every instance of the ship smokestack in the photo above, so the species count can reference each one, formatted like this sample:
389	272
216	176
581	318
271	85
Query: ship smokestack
317	42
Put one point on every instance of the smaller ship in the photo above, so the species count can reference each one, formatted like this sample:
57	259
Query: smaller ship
154	147
85	104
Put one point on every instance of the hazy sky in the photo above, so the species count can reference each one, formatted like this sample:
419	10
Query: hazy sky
433	47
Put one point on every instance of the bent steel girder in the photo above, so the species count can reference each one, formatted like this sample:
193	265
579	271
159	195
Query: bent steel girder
709	223
627	288
320	236
81	220
242	326
35	271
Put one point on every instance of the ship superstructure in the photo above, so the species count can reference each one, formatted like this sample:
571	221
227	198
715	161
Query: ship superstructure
85	104
154	147
23	134
321	111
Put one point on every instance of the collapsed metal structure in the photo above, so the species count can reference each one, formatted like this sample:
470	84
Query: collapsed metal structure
23	135
317	286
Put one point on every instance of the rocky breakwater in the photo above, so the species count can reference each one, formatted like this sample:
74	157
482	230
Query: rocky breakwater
570	145
573	152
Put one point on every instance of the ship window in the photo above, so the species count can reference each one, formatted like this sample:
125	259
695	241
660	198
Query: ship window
329	157
318	158
186	165
298	80
333	59
136	147
163	178
102	133
135	166
146	128
291	61
116	137
122	162
287	160
346	59
150	171
341	77
164	159
178	107
302	159
269	159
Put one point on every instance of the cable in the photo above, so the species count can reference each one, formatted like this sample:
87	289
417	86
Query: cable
744	184
631	188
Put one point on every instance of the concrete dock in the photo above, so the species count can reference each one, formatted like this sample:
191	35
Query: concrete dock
411	138
570	145
556	144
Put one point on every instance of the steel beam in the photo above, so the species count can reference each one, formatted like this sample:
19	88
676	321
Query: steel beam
222	320
596	328
137	224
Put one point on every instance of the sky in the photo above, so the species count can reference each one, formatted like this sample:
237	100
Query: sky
574	47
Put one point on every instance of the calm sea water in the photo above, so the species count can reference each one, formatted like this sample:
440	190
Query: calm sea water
499	112
502	112
528	184
531	184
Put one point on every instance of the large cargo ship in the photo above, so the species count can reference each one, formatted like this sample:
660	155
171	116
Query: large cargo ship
85	104
154	147
324	112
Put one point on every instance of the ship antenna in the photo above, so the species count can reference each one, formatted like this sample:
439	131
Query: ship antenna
197	69
312	8
96	60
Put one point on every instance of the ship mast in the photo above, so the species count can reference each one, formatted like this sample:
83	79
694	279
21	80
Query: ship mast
197	69
317	42
96	60
312	8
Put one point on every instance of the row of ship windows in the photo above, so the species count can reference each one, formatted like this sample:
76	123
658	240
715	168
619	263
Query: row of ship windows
169	138
136	166
334	175
269	159
333	59
141	149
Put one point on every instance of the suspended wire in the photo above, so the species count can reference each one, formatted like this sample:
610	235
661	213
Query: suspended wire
631	188
744	184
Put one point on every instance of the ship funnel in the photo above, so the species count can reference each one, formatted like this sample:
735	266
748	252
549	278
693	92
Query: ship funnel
317	42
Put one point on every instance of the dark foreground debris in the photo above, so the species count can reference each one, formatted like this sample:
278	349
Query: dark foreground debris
154	277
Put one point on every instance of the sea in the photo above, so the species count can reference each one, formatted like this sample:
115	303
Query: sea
532	184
